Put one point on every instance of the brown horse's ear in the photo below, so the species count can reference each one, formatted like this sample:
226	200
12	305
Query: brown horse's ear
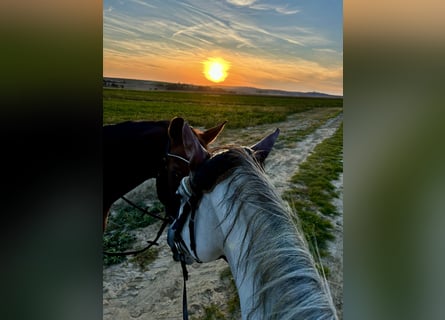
175	130
209	135
263	148
193	149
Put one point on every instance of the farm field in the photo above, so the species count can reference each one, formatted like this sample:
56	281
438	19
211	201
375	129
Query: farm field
204	109
152	289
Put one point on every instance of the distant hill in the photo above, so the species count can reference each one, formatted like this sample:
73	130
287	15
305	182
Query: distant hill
274	92
150	85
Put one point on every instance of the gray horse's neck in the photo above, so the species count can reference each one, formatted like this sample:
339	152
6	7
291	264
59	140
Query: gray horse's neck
274	272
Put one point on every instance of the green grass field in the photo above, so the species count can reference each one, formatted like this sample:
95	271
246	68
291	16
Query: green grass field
205	109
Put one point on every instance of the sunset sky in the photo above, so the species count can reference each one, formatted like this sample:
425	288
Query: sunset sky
288	45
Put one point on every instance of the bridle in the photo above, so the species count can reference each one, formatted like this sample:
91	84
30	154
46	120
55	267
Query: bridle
174	238
187	211
168	154
191	192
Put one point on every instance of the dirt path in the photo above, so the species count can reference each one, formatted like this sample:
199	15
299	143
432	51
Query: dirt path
156	293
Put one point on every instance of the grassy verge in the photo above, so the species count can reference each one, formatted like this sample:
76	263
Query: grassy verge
118	238
313	191
318	118
203	109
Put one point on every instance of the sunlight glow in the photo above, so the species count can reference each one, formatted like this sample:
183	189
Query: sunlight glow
215	69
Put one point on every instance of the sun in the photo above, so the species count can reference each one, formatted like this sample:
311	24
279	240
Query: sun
215	69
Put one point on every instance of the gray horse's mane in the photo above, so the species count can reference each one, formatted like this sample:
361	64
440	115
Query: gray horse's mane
288	285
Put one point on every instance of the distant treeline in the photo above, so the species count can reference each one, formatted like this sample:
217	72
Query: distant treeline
190	87
113	83
109	83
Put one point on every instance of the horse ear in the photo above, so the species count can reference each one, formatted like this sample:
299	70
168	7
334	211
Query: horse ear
263	147
193	149
175	130
210	135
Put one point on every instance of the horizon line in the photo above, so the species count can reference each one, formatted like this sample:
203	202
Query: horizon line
221	85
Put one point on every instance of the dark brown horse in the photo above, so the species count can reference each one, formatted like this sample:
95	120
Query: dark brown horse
135	151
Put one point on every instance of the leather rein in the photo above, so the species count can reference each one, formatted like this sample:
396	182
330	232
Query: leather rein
174	239
165	221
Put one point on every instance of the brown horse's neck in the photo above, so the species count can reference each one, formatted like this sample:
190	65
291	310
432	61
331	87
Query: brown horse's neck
133	152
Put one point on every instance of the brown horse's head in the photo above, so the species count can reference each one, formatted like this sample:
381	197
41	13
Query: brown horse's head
177	165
